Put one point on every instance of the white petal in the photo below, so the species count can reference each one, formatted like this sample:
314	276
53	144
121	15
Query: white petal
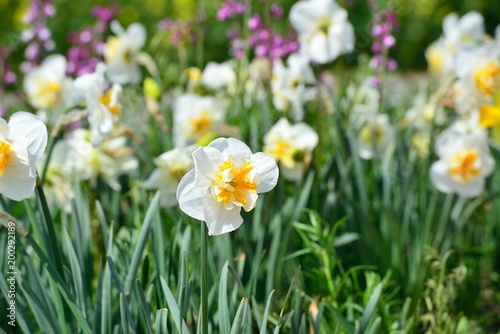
18	180
440	177
267	171
206	163
293	174
230	146
305	136
320	50
218	219
472	188
31	127
136	35
190	197
154	180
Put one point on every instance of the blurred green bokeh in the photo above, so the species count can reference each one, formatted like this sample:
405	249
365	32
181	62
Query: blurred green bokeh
420	21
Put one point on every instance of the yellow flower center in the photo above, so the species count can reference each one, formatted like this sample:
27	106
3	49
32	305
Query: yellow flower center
282	150
4	155
465	165
488	78
323	25
233	184
435	59
48	92
201	125
112	48
106	100
177	172
372	133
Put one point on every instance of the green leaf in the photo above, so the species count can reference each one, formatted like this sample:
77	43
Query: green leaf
174	308
266	313
146	310
224	319
141	243
241	324
370	308
161	321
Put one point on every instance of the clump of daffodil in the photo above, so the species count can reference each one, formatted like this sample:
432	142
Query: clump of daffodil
171	168
464	163
457	33
226	178
22	142
291	146
108	159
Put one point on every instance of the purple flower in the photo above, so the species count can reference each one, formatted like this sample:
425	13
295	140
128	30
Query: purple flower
254	22
105	13
276	10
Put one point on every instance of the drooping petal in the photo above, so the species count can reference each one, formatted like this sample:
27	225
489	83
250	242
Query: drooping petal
24	124
218	219
190	197
266	170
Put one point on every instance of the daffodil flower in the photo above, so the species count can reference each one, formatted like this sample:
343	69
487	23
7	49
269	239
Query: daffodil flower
293	85
216	76
291	147
171	168
22	143
323	28
463	165
108	160
226	178
47	87
121	53
375	137
103	107
196	117
457	33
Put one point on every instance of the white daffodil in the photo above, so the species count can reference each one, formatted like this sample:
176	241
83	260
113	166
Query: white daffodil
172	166
110	159
478	71
463	165
47	87
363	100
196	117
22	143
102	106
323	28
291	146
226	177
121	53
293	85
424	113
375	137
58	184
457	33
216	76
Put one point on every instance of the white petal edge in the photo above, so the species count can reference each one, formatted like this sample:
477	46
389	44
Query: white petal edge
31	127
191	198
267	171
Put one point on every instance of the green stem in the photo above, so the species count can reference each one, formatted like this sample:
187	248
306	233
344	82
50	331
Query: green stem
52	142
204	279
